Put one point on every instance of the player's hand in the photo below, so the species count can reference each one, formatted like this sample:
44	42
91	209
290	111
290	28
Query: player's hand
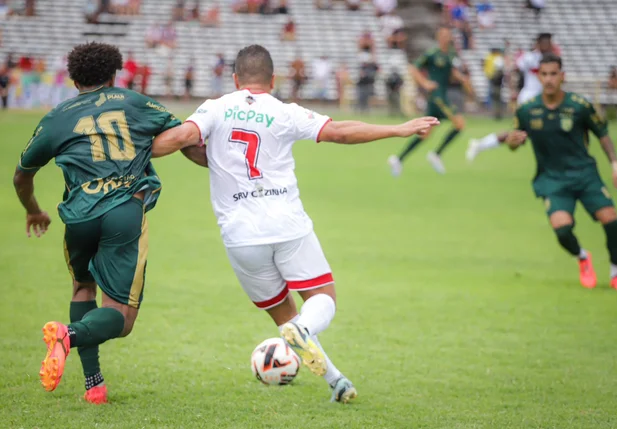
38	222
431	86
515	139
420	126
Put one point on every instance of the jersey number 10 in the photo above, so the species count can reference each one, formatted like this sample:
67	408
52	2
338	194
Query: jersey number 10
105	122
252	141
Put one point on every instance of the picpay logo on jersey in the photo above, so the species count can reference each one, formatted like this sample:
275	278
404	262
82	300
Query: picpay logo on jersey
248	116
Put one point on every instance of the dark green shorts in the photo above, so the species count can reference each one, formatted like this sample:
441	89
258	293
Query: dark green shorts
111	250
440	108
592	194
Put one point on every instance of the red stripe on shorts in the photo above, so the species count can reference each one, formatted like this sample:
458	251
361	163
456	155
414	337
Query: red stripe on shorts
324	280
264	305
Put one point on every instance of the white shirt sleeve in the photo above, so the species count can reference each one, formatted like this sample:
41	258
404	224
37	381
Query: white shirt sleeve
523	62
305	124
204	118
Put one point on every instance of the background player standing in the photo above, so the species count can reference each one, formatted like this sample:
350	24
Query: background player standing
438	63
102	141
268	236
558	123
528	64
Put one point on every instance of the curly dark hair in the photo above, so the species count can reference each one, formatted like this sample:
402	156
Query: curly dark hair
93	63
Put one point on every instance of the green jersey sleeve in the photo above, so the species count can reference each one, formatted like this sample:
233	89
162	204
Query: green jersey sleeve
159	118
40	149
595	122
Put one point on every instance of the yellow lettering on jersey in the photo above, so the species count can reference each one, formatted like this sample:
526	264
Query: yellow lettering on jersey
102	99
536	112
568	110
536	124
115	96
156	107
88	190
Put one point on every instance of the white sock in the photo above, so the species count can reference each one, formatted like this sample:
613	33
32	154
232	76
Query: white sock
583	255
489	142
613	270
333	373
316	313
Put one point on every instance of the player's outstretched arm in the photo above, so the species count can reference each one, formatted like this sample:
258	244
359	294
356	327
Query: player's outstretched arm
176	139
354	132
36	219
465	81
422	80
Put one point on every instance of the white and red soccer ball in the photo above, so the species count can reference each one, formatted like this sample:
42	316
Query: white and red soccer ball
274	362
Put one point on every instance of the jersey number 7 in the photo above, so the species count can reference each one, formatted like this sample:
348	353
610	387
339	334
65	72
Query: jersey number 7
252	141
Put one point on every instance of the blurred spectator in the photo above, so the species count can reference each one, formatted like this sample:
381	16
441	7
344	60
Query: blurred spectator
353	4
194	14
178	11
322	72
392	27
536	5
366	42
189	76
384	7
4	86
459	14
282	8
494	70
394	83
239	6
144	74
343	83
366	81
612	78
212	17
485	14
323	4
217	76
130	71
168	78
154	36
60	76
91	11
455	91
30	9
297	76
289	31
4	9
253	5
10	61
169	36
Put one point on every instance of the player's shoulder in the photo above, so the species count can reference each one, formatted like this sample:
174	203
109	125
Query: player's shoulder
532	103
578	100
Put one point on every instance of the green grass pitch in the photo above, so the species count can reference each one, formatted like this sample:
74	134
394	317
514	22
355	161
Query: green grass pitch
456	307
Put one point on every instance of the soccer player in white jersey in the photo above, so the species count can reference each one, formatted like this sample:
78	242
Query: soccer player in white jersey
267	234
528	64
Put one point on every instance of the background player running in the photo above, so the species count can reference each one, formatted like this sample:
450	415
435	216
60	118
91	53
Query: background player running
438	63
528	64
268	236
558	123
102	141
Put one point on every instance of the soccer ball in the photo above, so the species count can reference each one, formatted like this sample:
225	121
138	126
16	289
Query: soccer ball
273	362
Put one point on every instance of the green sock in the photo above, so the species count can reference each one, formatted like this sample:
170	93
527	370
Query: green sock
451	135
89	356
415	141
611	240
96	327
568	240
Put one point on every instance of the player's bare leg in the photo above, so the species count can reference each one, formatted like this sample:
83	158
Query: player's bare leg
563	225
488	142
435	157
286	313
607	216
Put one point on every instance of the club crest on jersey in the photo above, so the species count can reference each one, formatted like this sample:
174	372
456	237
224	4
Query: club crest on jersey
250	100
536	124
440	62
567	123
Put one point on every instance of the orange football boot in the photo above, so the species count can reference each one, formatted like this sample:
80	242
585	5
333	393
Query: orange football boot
96	395
56	336
587	273
614	282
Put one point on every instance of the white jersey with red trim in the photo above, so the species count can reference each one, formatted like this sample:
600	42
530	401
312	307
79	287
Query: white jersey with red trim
253	188
529	64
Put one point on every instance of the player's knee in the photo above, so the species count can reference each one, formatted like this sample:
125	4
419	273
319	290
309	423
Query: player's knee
328	290
129	322
459	123
606	215
84	291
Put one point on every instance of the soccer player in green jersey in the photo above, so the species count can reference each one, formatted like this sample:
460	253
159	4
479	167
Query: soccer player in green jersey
102	140
438	63
558	124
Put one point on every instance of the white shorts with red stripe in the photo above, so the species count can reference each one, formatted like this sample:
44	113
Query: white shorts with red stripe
268	272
